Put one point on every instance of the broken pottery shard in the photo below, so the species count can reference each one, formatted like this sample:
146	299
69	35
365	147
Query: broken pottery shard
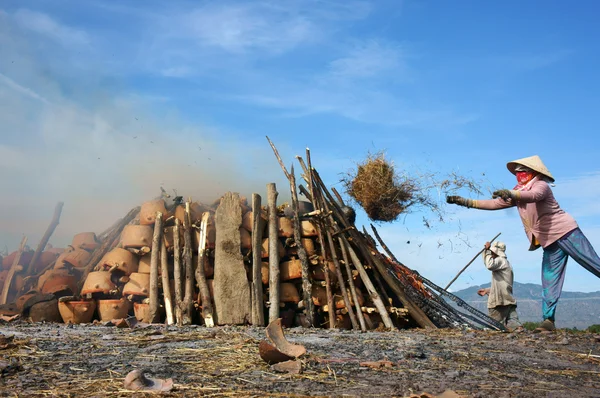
271	354
290	367
275	334
136	380
231	287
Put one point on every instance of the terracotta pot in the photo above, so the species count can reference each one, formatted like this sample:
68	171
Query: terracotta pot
86	241
77	311
319	297
57	250
149	209
264	253
245	239
307	243
113	309
137	236
78	258
60	281
288	270
138	285
142	312
122	259
46	259
98	282
248	221
46	311
288	293
196	210
144	264
317	273
307	229
285	227
20	302
25	259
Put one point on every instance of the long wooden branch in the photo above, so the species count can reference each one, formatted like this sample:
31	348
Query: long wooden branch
188	299
153	315
166	285
177	273
273	253
207	309
46	237
359	313
257	287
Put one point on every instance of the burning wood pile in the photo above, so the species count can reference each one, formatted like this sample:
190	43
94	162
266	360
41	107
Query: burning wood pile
230	262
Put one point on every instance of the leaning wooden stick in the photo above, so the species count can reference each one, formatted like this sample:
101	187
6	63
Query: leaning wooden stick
14	268
469	263
154	260
207	310
273	253
359	313
46	237
166	285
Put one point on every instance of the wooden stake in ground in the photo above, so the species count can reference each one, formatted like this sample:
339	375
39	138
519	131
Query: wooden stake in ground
153	315
207	309
168	298
257	287
188	299
46	237
273	253
177	274
359	314
14	268
230	285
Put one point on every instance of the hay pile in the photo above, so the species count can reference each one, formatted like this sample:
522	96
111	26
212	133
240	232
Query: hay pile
382	193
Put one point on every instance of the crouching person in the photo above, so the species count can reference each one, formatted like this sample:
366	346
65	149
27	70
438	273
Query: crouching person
502	306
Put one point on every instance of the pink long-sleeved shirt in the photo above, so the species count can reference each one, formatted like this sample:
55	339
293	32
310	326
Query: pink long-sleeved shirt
544	221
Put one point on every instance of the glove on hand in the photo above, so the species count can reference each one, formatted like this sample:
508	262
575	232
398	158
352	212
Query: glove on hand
459	200
505	194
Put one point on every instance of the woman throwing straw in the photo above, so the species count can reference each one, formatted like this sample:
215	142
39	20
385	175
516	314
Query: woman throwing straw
546	225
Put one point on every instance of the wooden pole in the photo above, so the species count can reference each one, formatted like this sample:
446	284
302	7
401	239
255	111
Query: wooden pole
14	268
469	263
207	309
46	237
154	260
257	304
273	253
177	274
188	299
166	285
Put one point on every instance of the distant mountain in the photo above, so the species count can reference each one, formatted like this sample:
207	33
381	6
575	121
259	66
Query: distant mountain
575	309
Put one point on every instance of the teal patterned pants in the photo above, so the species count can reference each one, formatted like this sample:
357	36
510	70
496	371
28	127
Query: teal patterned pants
554	265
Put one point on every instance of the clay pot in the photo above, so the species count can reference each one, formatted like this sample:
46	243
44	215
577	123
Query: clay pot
77	258
248	221
307	243
316	271
137	236
287	270
307	229
60	281
23	299
138	285
25	259
98	282
288	293
85	241
149	209
209	269
142	312
57	250
122	259
113	309
77	311
264	253
144	264
196	210
319	297
245	239
46	311
285	227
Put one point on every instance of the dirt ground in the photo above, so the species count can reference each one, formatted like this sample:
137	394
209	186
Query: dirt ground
92	360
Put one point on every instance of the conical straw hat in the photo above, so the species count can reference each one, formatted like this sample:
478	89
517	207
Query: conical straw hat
533	162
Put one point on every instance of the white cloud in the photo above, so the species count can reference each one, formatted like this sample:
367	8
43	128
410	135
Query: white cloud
371	59
45	25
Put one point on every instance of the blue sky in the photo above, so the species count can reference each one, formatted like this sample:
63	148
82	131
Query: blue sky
101	102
